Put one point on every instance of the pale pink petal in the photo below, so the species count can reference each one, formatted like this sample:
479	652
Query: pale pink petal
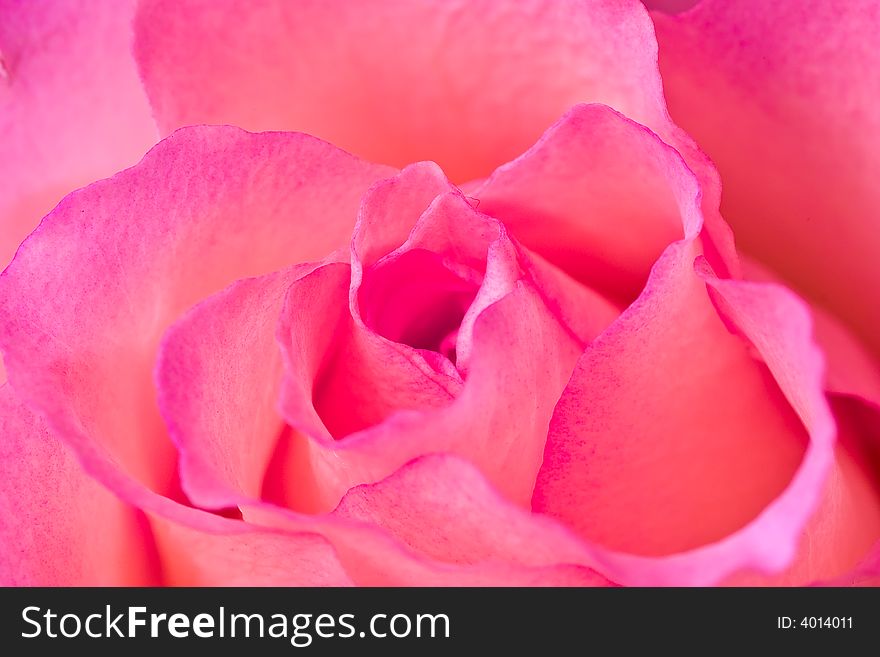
784	99
244	556
58	526
409	193
846	524
198	548
373	557
189	547
72	108
850	369
468	85
677	450
218	377
443	507
89	294
599	196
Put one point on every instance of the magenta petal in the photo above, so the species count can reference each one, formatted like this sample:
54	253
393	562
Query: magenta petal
390	209
58	526
72	109
90	293
340	376
494	420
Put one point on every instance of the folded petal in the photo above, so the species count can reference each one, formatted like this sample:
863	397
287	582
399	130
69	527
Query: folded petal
58	526
347	378
72	108
498	419
835	545
511	348
442	506
468	85
677	450
90	293
235	554
850	367
218	377
598	196
374	557
362	404
783	98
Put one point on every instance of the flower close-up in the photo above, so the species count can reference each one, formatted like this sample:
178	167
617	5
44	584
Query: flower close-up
439	293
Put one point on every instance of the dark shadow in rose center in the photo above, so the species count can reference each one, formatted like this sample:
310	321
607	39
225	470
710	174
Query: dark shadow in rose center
418	298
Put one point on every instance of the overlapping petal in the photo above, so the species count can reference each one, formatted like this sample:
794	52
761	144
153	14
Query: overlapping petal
783	98
60	527
90	293
72	109
479	83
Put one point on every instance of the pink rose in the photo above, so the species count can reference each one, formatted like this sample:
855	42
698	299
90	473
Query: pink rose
507	340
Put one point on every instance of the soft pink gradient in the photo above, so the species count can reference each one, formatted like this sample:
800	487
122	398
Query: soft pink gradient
670	6
72	109
258	359
159	284
61	527
121	259
783	97
479	82
312	339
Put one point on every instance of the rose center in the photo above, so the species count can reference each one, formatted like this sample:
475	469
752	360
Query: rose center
418	298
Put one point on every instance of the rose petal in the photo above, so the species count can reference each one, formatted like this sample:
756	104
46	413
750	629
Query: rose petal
195	548
373	558
362	370
72	108
213	444
376	377
192	548
480	81
498	420
606	223
89	294
199	549
850	368
846	524
220	411
782	101
443	507
342	377
730	429
244	556
59	527
379	231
